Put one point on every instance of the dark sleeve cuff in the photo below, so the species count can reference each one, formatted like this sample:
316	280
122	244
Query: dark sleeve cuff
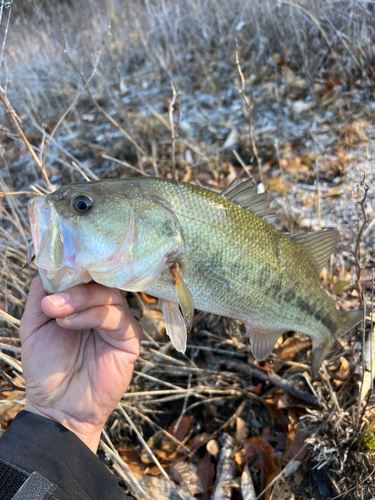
34	443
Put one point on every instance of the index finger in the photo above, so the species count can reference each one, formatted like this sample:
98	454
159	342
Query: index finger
81	297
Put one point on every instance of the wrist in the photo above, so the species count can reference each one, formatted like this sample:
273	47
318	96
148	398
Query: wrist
87	432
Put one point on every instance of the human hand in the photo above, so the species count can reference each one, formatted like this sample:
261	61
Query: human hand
78	356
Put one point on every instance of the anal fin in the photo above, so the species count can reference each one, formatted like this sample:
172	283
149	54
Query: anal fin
174	324
262	341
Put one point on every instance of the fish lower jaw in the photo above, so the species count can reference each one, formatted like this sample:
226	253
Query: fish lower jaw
58	280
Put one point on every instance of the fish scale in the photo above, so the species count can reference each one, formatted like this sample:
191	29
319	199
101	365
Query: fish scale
189	246
229	234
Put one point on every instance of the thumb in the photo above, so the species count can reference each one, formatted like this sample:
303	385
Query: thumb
33	316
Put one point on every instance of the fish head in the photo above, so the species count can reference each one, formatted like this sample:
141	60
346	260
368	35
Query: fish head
92	231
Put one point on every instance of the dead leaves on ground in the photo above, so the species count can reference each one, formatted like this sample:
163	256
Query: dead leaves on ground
190	457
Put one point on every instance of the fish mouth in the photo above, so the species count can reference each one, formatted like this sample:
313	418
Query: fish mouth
56	243
39	215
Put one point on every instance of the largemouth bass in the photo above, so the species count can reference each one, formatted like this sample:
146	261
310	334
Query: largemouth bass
191	248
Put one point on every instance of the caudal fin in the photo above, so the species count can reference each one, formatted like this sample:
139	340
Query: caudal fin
320	350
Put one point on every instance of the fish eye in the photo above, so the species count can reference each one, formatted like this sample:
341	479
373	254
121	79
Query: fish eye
82	203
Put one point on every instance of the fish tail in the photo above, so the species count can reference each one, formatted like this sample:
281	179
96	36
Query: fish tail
347	321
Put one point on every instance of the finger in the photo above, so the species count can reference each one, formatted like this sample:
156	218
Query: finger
113	318
33	316
81	297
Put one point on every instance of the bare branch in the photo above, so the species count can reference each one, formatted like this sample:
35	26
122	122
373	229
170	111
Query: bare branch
103	112
86	83
361	203
173	129
250	107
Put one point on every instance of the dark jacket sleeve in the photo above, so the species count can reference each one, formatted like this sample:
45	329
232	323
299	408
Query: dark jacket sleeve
41	459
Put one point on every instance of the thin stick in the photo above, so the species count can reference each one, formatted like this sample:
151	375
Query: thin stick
9	319
154	379
130	479
9	6
13	386
361	203
222	428
156	426
8	107
354	487
173	131
15	193
317	180
48	142
271	377
250	107
126	164
313	19
146	446
103	112
209	390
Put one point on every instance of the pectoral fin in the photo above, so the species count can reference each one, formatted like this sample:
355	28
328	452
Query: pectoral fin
262	341
174	324
184	298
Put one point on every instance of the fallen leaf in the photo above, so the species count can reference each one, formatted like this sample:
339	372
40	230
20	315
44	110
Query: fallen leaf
290	348
198	440
179	432
292	80
186	475
206	473
9	411
294	165
256	448
295	446
153	443
302	106
167	456
280	440
343	372
132	459
213	447
162	488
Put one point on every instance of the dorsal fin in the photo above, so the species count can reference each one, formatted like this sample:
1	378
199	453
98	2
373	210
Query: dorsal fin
245	194
319	245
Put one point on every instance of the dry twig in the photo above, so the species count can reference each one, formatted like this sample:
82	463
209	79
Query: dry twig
270	376
250	107
365	221
173	128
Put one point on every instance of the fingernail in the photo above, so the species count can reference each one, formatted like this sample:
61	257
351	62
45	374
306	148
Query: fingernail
72	316
59	300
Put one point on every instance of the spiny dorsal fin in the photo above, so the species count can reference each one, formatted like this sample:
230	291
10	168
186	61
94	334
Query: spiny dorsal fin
245	194
319	245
